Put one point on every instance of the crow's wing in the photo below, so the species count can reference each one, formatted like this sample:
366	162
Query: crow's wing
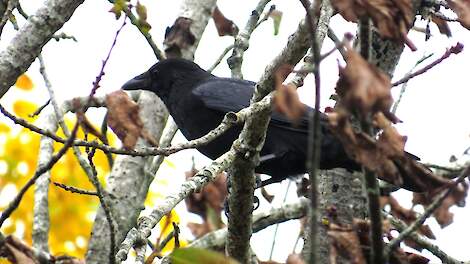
232	95
225	94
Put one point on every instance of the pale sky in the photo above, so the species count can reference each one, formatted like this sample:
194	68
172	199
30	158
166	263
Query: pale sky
434	109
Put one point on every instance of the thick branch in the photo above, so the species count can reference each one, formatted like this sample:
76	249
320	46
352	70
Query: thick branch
261	221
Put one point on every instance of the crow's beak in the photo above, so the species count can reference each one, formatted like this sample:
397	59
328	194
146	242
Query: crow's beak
140	82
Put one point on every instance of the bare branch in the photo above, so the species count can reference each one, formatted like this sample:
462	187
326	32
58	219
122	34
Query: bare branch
242	40
456	49
74	189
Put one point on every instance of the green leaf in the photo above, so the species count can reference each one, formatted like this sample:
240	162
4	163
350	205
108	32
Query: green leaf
199	256
276	15
118	6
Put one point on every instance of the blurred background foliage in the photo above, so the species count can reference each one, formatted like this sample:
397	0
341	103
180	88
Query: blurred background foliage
71	214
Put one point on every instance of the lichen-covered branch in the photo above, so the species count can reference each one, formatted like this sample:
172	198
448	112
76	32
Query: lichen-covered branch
30	39
139	235
242	40
286	212
247	148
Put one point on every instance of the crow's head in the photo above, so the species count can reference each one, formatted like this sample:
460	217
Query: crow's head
167	76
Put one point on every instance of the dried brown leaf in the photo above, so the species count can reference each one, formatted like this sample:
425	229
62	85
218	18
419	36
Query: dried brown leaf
199	230
442	214
399	256
442	25
286	99
364	88
408	216
364	149
346	243
267	196
225	26
462	9
208	203
87	127
393	18
123	118
294	259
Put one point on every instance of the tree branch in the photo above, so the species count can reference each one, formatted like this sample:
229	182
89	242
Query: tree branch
28	42
242	40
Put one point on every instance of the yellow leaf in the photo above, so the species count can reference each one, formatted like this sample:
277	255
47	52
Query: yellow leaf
4	128
24	82
24	108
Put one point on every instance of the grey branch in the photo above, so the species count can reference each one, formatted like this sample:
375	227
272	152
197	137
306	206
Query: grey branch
146	223
242	40
286	212
28	42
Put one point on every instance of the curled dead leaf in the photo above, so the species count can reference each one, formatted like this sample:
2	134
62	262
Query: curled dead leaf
364	88
442	214
267	196
462	9
208	203
384	156
87	127
408	216
286	99
224	26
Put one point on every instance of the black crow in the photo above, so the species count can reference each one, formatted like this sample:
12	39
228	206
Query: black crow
198	101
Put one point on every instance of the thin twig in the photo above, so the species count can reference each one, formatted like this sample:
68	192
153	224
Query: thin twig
104	138
39	110
314	134
74	189
16	201
156	252
265	16
221	57
8	12
427	213
156	50
277	225
457	48
370	180
405	85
